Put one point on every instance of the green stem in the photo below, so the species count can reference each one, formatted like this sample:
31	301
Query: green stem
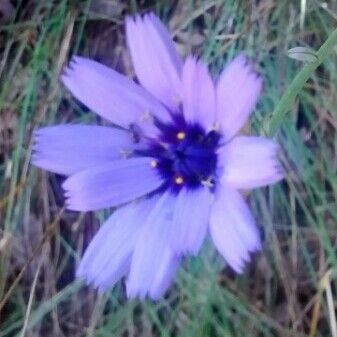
286	101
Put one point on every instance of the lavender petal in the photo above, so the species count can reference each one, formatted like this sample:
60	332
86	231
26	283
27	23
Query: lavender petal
233	228
250	162
108	256
68	149
153	260
238	89
112	95
198	94
156	62
111	185
190	223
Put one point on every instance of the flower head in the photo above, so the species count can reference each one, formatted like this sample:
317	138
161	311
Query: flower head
174	166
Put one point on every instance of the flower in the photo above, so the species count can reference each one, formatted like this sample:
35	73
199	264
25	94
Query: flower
174	165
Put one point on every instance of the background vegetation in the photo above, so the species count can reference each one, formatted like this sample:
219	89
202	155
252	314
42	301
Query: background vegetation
290	287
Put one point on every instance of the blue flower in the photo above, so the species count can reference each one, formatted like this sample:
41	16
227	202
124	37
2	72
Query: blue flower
174	166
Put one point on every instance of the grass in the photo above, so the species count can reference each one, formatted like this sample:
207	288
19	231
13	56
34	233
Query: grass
290	287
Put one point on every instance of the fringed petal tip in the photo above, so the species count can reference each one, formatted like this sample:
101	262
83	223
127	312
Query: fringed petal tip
71	68
199	97
190	223
39	149
239	263
36	141
244	65
102	284
193	62
250	162
92	282
233	229
110	94
249	72
59	149
72	73
110	185
107	258
155	59
123	246
157	289
149	18
238	89
153	263
134	294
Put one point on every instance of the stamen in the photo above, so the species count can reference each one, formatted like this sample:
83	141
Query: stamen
179	180
181	135
185	155
146	116
125	153
216	126
164	145
154	163
176	99
208	182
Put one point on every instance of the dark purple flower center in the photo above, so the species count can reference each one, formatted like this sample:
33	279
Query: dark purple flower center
184	154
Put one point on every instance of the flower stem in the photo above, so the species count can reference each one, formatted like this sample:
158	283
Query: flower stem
286	101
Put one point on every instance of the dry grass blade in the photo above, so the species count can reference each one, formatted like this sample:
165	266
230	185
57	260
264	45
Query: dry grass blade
31	298
47	236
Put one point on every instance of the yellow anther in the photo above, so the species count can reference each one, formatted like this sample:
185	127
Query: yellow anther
179	180
181	135
154	163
